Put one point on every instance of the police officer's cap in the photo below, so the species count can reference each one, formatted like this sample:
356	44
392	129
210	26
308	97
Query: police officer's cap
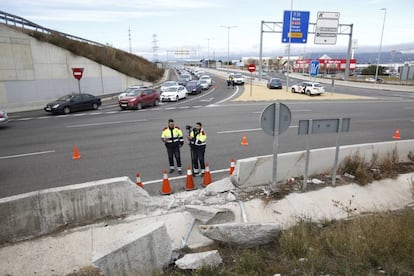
170	120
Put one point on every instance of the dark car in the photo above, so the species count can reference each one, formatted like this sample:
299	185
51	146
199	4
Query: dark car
182	81
274	83
193	87
139	98
73	102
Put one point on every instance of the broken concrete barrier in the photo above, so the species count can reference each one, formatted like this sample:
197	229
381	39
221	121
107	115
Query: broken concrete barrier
242	234
144	252
198	260
210	215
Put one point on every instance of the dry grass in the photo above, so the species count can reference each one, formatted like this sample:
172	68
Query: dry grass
116	59
381	244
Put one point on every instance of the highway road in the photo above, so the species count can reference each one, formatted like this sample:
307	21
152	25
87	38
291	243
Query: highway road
36	148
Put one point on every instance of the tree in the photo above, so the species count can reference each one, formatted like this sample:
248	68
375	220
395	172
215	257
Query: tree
370	70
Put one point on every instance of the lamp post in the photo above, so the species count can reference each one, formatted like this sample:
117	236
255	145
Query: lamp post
379	52
228	42
208	52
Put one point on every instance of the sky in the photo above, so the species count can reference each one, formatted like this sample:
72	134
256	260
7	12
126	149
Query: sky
217	28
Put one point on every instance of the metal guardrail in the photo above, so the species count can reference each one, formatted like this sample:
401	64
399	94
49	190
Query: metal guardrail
20	22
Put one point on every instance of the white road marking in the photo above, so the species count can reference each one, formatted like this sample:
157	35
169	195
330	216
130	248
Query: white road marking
112	112
184	107
26	154
23	119
106	123
197	106
238	130
170	108
79	114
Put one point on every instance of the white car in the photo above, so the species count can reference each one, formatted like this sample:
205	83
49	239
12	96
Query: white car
129	89
204	84
3	117
207	78
167	84
174	93
308	88
238	79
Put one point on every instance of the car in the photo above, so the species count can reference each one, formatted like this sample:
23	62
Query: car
274	83
182	81
139	97
204	85
207	78
373	80
73	102
123	94
193	87
308	88
187	76
238	79
174	93
4	118
167	84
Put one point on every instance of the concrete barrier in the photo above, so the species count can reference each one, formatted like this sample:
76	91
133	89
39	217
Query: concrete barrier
257	171
144	252
44	211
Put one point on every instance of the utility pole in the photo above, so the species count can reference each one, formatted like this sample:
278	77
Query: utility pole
228	42
129	37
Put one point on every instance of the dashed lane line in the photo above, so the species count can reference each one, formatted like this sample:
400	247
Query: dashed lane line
27	154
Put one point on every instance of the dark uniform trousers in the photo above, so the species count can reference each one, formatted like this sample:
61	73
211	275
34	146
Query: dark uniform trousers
198	155
173	149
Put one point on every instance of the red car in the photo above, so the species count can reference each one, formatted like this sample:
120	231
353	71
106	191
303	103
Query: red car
139	98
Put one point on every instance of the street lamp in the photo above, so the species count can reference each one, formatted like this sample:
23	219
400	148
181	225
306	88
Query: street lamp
228	42
379	52
208	52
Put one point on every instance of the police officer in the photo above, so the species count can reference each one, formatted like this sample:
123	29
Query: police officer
172	137
198	138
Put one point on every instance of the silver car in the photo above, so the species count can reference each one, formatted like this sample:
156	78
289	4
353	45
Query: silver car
3	118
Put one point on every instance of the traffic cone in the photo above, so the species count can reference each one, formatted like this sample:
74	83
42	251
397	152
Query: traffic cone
244	141
207	176
138	181
397	134
190	182
166	188
232	166
76	154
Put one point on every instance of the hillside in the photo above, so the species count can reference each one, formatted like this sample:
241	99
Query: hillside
129	64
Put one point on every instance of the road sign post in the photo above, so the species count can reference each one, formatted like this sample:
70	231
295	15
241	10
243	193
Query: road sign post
314	68
251	69
295	27
326	28
274	120
77	74
309	127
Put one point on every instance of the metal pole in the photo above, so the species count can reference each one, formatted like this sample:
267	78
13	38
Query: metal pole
251	83
336	152
379	52
305	177
261	52
275	146
290	39
79	87
348	55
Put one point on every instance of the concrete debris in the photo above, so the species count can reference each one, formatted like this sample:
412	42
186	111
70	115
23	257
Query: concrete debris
230	197
317	181
127	257
221	186
198	260
210	215
242	234
349	175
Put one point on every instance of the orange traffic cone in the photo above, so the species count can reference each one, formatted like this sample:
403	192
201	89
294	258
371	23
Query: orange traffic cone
232	166
76	154
138	181
166	188
207	176
190	182
244	141
397	134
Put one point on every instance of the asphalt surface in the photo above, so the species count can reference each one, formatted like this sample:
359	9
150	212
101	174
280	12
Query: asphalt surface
37	148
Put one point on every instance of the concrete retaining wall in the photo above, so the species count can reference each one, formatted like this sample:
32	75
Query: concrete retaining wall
144	252
33	73
42	212
257	171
